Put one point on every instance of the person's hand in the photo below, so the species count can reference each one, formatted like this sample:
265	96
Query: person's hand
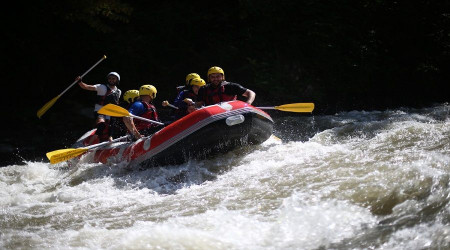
188	101
79	80
137	135
165	103
190	108
198	105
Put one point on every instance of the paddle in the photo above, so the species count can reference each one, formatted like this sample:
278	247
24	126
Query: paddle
49	104
166	103
117	111
69	153
293	107
186	100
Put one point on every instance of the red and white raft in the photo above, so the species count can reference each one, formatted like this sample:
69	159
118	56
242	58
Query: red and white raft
205	132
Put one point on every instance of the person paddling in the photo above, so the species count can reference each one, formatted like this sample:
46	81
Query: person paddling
186	100
189	78
143	108
106	93
218	90
118	127
177	114
129	97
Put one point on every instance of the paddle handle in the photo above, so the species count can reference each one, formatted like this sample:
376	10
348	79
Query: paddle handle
145	119
85	73
166	103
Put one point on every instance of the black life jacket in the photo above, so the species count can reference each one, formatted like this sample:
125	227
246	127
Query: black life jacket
111	96
180	88
182	110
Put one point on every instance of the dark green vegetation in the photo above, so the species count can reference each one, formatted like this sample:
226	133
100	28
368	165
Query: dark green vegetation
341	55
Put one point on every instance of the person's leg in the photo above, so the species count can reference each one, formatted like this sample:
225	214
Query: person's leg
102	128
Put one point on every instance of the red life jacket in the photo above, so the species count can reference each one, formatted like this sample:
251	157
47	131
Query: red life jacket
150	113
191	95
217	95
110	96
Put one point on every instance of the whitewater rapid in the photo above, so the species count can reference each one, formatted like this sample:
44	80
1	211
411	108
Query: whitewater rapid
354	180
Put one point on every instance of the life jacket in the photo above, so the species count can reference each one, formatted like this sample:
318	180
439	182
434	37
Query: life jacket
150	113
180	88
190	94
111	96
182	110
216	95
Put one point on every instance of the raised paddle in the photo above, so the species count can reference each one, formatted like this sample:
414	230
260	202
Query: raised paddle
49	104
117	111
293	107
69	153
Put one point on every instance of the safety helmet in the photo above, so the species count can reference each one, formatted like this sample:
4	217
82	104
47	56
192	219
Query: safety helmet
114	74
191	76
148	90
131	95
214	70
198	82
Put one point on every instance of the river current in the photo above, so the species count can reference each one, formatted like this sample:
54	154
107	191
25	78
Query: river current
353	180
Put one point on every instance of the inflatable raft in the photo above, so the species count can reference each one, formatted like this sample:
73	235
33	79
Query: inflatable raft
205	132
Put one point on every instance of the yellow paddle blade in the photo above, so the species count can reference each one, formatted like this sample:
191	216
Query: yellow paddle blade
296	107
48	105
113	110
64	154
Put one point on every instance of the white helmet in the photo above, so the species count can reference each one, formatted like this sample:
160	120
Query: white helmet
114	74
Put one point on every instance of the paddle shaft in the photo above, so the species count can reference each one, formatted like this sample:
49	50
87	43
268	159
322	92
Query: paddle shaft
145	119
293	107
106	142
172	106
85	73
266	107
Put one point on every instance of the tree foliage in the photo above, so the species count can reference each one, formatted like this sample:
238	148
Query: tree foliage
341	55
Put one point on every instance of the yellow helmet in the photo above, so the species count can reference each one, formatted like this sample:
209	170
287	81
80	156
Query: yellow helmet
191	76
198	82
148	90
131	95
214	70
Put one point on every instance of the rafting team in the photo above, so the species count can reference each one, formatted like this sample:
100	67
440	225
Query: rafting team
194	94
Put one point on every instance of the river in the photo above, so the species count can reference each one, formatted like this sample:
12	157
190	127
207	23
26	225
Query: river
353	180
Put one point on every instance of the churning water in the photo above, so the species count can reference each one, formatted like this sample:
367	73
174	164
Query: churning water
354	180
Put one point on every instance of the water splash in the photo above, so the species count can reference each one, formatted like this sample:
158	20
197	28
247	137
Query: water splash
352	180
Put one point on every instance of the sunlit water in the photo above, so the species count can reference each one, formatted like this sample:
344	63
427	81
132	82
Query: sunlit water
354	180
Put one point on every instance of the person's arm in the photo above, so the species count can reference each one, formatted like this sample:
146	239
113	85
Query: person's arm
237	89
84	85
135	109
131	127
250	96
179	100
